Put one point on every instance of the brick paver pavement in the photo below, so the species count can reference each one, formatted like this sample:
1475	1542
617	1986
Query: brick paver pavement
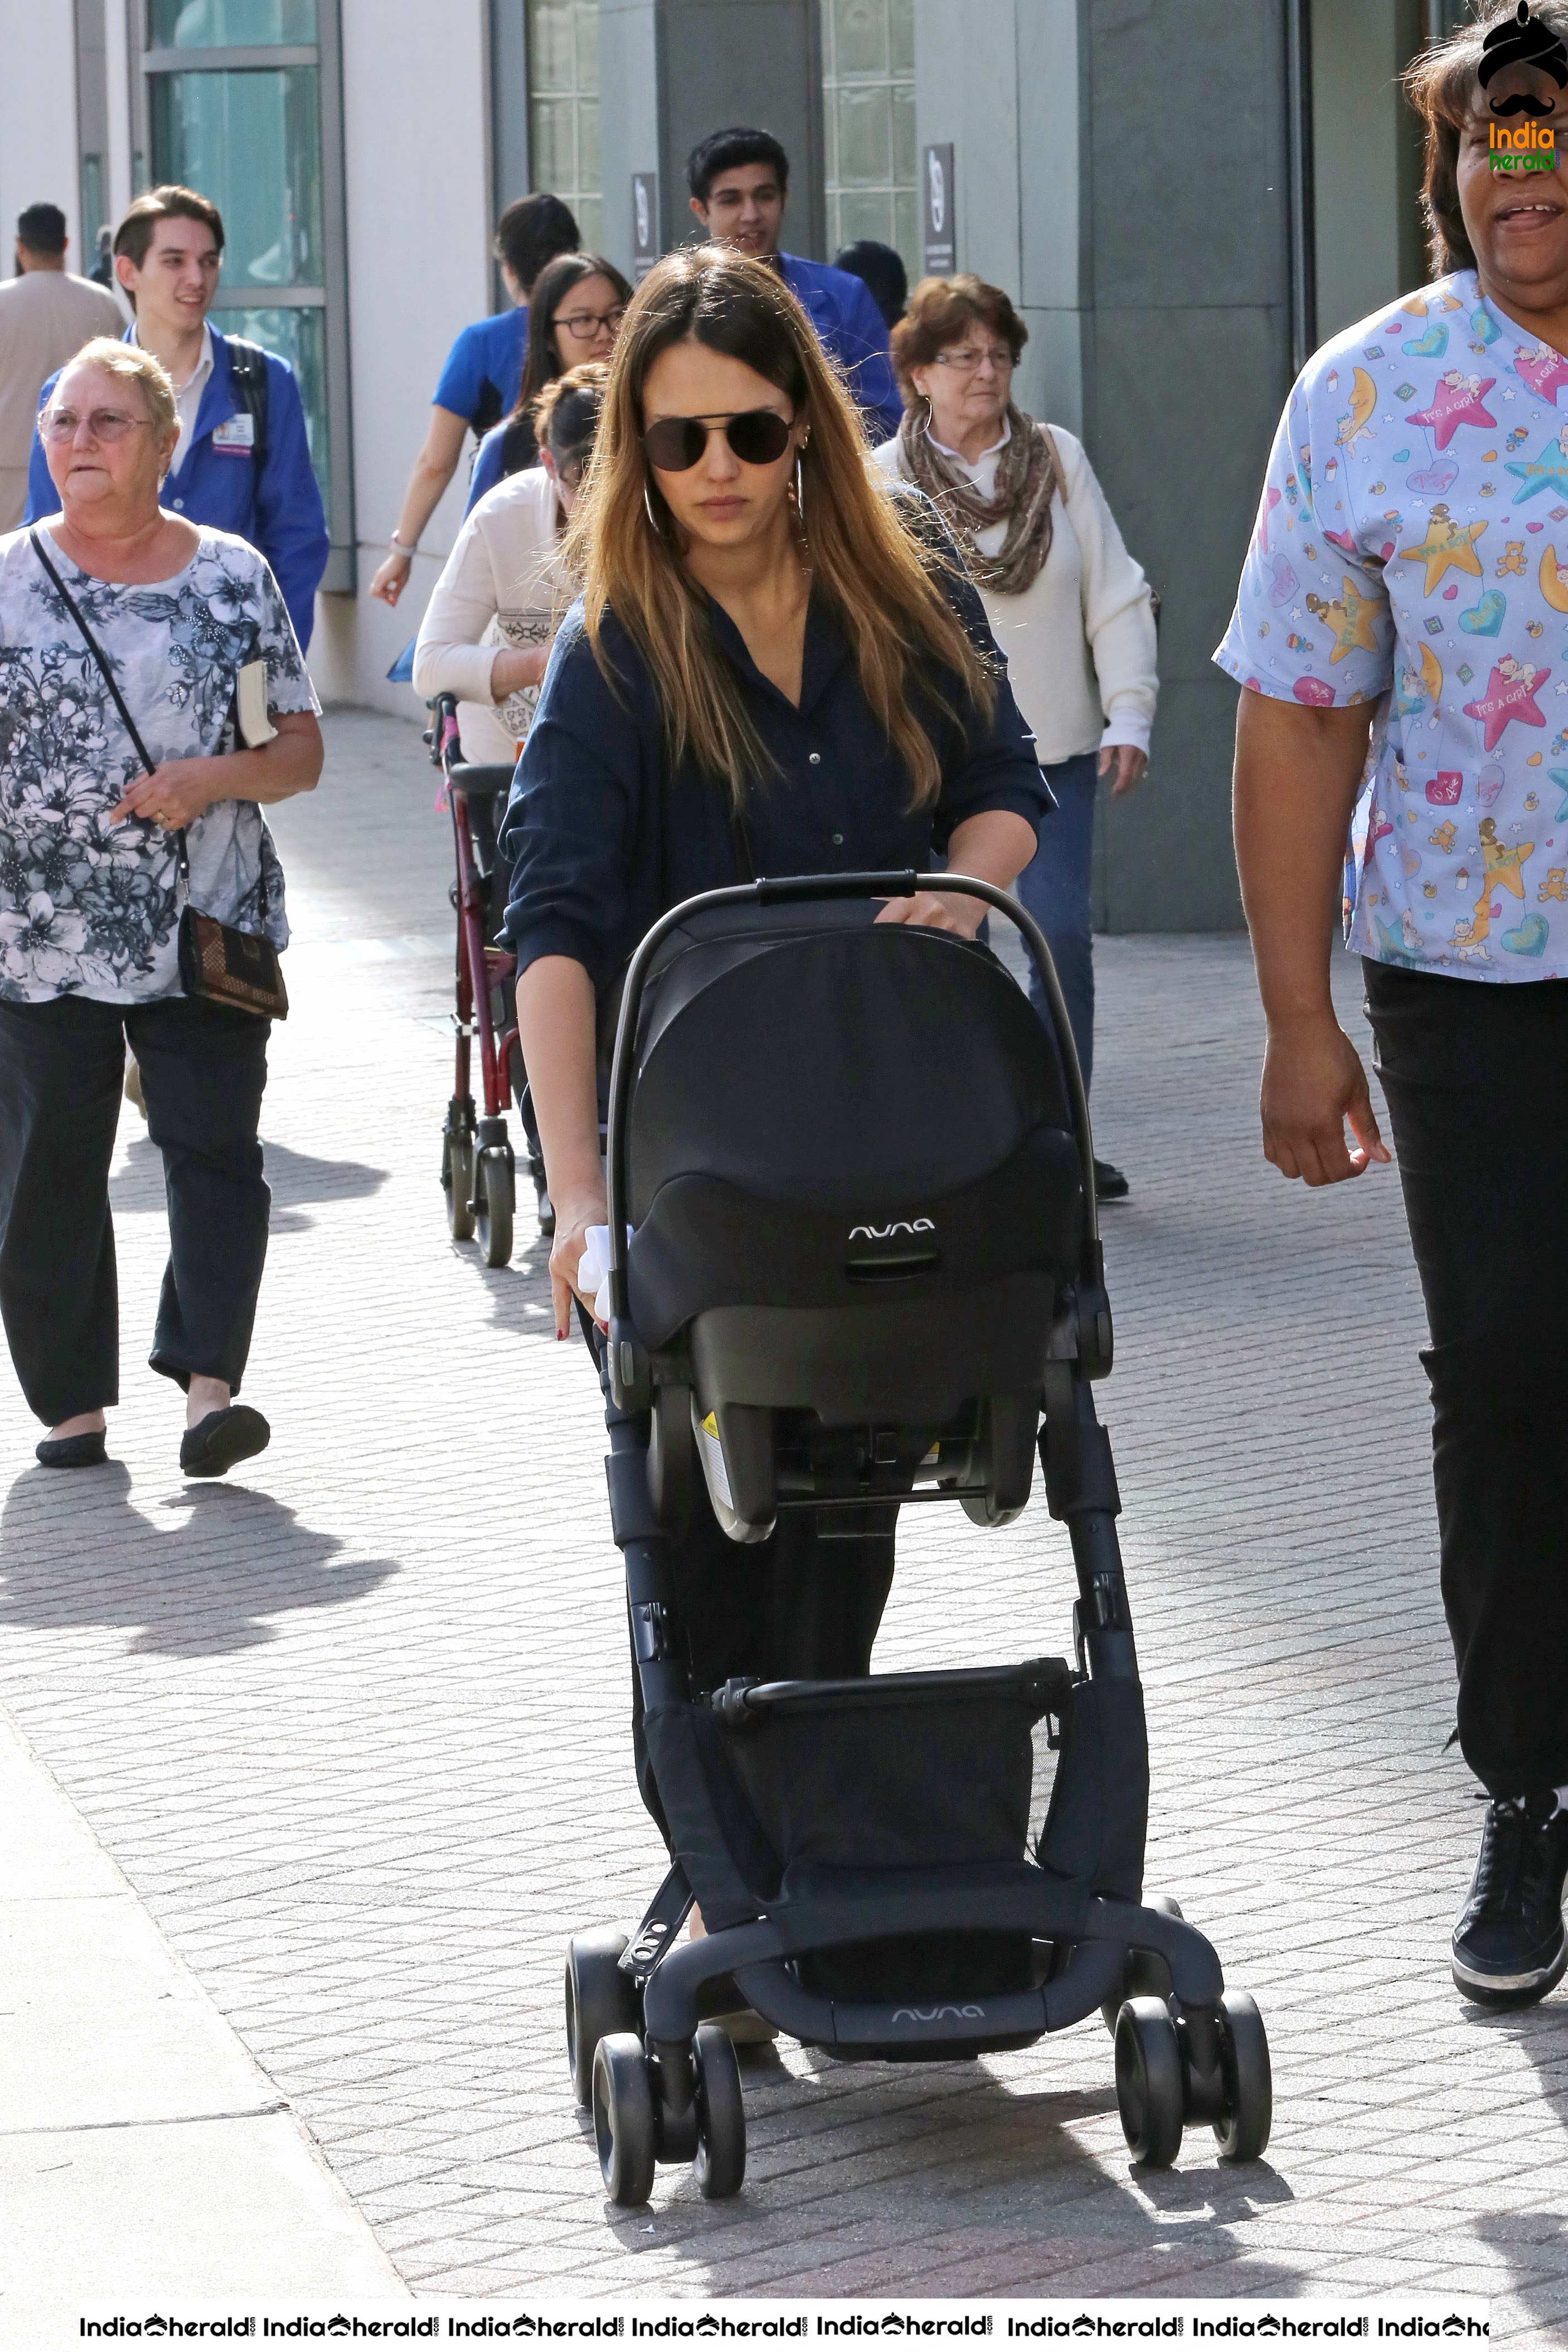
354	1724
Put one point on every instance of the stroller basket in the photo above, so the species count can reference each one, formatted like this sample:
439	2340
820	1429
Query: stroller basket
834	1783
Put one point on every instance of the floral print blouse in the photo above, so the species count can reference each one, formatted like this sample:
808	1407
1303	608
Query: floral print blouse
88	908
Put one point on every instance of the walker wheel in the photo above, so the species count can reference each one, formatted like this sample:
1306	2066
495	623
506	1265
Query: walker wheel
624	2118
492	1200
720	2165
457	1181
1144	1971
1243	2130
1149	2081
601	1999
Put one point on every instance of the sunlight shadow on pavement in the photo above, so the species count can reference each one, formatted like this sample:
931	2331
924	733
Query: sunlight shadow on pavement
206	1587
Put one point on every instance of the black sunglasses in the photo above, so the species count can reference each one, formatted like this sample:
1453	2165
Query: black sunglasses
759	436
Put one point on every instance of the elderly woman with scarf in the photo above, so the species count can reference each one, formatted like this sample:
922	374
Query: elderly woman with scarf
1070	609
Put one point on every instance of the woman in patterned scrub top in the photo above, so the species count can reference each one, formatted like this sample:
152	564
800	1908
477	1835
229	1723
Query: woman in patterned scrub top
1401	637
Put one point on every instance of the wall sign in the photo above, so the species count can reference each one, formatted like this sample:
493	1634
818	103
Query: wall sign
645	223
941	237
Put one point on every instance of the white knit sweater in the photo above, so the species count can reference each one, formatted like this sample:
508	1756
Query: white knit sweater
1080	641
501	585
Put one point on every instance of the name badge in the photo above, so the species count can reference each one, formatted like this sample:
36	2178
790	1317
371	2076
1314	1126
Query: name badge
236	435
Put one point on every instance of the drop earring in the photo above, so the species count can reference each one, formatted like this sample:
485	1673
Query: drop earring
652	517
800	493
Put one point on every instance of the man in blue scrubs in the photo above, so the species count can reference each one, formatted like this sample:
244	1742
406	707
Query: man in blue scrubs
740	182
242	463
484	368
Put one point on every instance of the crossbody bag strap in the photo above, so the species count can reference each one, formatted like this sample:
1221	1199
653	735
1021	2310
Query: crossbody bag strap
101	658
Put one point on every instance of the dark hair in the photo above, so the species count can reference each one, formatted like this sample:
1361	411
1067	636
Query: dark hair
42	228
541	362
880	268
940	310
136	231
530	232
1441	86
726	151
566	412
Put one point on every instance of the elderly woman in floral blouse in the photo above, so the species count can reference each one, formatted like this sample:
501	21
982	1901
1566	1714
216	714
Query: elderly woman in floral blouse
90	895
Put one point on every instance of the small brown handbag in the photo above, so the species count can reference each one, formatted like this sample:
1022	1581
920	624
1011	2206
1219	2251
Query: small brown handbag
218	960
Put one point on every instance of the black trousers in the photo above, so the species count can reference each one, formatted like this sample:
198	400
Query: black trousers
62	1064
1476	1080
804	1604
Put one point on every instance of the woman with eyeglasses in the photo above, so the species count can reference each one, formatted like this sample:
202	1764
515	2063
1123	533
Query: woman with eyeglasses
98	859
487	630
1070	610
574	316
776	666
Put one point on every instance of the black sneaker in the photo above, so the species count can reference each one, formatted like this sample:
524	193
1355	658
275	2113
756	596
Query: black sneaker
1509	1945
1110	1184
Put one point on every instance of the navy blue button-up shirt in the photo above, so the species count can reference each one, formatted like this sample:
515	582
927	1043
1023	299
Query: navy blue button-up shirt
595	867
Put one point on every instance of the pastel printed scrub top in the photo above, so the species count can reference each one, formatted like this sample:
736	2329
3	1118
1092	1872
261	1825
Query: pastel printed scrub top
1407	548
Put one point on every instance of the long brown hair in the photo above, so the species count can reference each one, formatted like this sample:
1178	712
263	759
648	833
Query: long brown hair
880	579
1441	86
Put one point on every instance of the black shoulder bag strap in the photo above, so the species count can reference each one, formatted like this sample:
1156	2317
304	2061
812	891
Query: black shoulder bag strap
101	658
248	378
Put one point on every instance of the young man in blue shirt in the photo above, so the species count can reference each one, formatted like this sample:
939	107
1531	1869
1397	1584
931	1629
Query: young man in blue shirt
740	182
242	463
480	383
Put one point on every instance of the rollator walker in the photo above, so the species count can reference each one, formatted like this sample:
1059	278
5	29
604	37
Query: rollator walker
864	1271
478	1167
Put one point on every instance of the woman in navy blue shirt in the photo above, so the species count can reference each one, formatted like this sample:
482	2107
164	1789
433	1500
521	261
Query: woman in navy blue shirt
776	658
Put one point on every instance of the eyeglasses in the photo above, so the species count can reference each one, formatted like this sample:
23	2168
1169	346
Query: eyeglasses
759	436
584	324
103	425
968	360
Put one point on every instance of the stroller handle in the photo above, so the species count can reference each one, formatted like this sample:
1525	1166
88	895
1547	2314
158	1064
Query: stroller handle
813	888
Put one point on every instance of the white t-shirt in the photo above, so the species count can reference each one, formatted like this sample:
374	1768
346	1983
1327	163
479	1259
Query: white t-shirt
92	909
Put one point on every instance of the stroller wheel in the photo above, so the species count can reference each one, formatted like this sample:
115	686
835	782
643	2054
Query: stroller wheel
492	1200
624	2118
721	2113
1144	1971
1149	2081
457	1180
1243	2130
600	1999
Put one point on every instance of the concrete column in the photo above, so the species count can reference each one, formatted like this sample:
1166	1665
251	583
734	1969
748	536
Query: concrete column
672	71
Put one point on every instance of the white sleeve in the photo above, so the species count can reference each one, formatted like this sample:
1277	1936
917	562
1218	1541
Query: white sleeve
448	656
1118	613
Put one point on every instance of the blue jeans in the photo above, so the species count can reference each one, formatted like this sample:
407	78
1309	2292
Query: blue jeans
1054	887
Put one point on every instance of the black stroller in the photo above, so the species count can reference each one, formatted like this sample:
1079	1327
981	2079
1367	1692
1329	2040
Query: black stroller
863	1270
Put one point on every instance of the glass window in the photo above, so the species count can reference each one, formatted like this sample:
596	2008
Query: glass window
230	24
868	113
249	134
251	143
563	109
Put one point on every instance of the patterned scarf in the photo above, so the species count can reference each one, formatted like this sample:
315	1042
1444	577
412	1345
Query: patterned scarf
1026	483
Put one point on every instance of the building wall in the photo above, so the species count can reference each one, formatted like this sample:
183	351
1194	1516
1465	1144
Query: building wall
415	135
39	122
1367	230
1122	164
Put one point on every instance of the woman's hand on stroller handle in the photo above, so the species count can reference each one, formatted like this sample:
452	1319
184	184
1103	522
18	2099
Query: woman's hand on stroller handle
936	911
573	1217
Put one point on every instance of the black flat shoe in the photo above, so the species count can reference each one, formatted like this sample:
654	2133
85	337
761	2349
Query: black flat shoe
1508	1944
1110	1184
220	1441
84	1451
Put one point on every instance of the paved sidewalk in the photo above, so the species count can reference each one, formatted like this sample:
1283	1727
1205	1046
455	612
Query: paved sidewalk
353	1724
144	2156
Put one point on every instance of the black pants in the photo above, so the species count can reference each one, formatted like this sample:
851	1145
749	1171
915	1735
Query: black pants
61	1069
804	1603
1476	1080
